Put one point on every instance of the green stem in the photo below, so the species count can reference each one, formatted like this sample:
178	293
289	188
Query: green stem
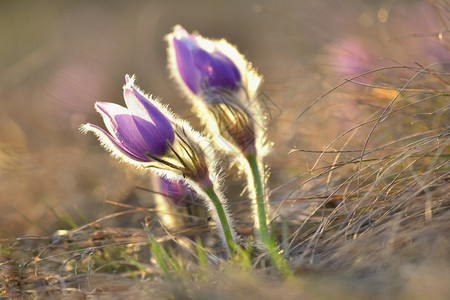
260	203
222	218
279	261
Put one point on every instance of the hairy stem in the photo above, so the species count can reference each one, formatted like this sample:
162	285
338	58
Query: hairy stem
278	260
224	224
259	205
261	223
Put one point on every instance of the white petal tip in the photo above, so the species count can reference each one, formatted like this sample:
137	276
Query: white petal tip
179	32
129	81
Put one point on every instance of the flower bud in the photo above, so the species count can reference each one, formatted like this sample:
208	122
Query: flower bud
176	192
201	69
223	87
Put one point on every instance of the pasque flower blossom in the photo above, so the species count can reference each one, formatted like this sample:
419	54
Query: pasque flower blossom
222	85
147	135
201	69
173	198
140	131
176	192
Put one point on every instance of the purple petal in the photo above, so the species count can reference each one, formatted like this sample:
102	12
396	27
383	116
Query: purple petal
140	106
185	64
119	146
130	136
232	72
177	192
155	137
199	67
108	110
219	70
137	103
137	135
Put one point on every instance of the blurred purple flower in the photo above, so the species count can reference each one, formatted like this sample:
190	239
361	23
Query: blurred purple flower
349	56
176	191
202	68
139	131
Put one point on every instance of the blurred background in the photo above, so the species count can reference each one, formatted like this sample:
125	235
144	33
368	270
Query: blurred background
57	58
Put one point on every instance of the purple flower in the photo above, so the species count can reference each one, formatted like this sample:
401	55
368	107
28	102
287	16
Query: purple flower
176	192
139	131
201	68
